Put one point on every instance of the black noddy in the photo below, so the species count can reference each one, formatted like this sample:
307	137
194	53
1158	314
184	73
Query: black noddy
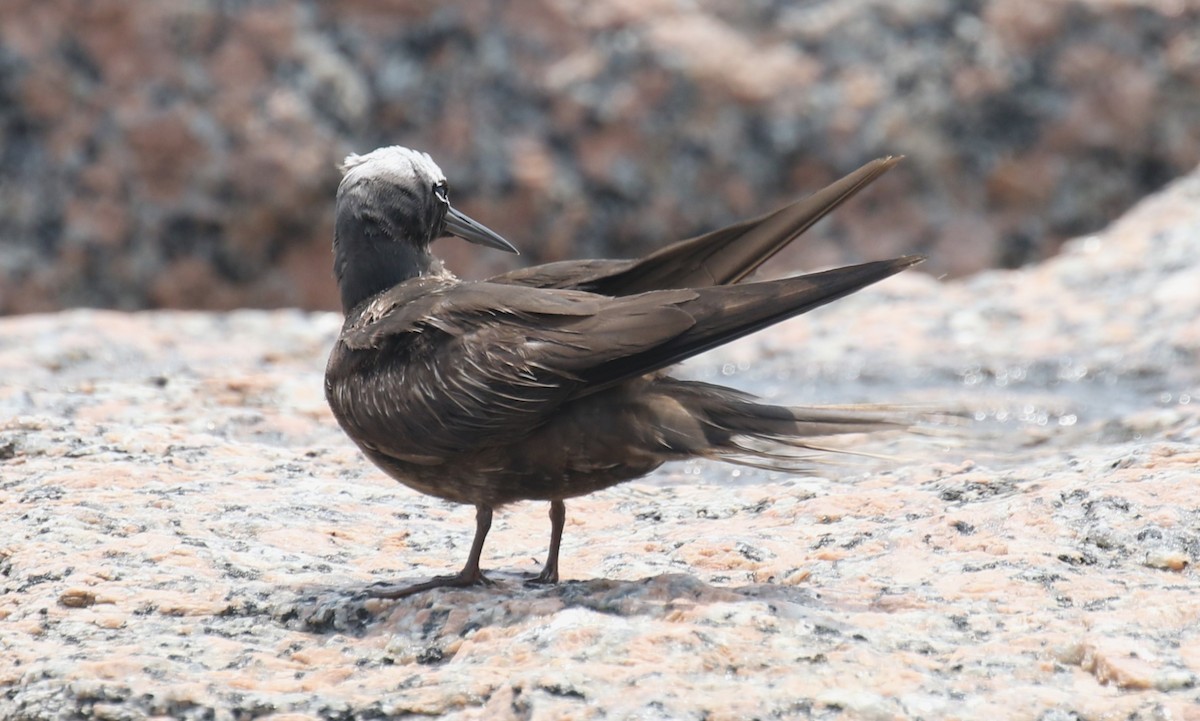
548	383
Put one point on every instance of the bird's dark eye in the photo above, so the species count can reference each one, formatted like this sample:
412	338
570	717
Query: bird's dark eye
442	191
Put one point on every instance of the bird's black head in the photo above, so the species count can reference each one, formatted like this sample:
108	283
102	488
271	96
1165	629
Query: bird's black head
391	204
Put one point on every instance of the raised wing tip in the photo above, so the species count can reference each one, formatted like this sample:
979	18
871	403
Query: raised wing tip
889	161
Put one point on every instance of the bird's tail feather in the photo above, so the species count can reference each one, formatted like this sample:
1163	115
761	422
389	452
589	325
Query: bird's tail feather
738	429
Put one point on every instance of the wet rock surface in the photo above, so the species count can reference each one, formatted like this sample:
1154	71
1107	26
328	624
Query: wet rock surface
188	535
183	155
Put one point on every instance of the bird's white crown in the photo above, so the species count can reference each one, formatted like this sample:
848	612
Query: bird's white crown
402	165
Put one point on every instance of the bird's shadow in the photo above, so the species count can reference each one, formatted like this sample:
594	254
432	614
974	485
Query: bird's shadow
509	601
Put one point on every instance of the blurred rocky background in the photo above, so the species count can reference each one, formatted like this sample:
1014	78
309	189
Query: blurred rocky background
183	154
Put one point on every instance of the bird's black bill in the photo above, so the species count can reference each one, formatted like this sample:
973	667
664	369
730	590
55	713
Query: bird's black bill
460	225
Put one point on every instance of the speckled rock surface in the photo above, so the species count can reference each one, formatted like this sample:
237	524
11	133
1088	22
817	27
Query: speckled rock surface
187	535
181	155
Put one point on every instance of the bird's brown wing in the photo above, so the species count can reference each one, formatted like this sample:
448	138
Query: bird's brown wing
725	313
464	366
720	257
577	274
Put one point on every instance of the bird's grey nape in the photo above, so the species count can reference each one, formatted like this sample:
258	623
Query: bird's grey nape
387	214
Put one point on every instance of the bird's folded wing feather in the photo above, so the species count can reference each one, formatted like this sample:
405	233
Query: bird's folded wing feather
587	275
720	257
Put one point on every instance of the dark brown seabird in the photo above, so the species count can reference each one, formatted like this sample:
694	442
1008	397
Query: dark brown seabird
548	383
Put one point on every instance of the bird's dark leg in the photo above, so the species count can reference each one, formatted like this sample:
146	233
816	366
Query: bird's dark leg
558	517
470	573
